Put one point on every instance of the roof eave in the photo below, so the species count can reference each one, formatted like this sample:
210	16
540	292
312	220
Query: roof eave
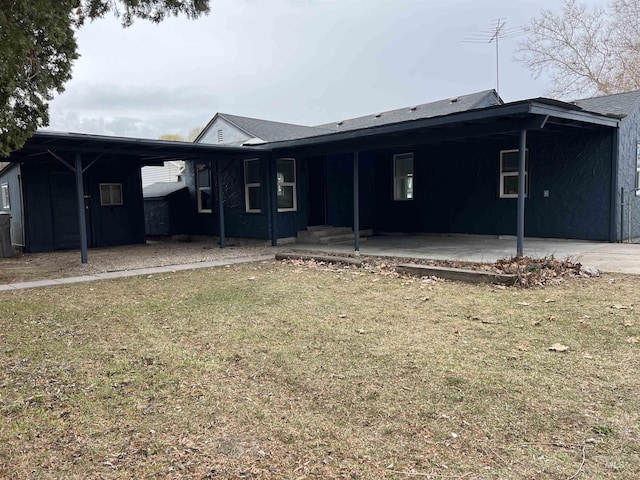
524	107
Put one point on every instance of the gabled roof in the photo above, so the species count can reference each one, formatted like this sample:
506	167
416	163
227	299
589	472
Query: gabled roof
271	131
618	105
438	108
162	189
267	131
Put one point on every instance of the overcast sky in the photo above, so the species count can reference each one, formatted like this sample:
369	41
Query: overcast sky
297	61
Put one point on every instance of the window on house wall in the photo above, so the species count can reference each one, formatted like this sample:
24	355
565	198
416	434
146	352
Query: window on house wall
509	162
110	194
203	186
4	191
286	172
252	187
403	176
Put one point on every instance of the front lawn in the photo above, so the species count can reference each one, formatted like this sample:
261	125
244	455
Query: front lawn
280	371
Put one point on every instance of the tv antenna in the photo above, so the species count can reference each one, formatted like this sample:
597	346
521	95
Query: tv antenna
498	31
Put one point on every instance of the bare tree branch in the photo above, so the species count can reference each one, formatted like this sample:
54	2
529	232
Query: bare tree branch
585	50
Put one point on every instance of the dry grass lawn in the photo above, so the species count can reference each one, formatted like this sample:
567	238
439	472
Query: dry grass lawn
278	371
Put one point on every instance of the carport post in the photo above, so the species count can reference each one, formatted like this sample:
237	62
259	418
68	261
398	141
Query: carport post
356	201
219	187
521	192
81	215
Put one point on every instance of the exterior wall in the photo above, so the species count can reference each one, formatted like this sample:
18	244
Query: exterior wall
168	215
50	206
11	176
627	157
169	172
119	224
230	133
238	222
457	189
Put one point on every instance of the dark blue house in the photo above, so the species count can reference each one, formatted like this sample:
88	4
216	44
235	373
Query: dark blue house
451	166
465	165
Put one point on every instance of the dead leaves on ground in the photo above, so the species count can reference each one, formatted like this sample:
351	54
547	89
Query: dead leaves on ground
531	272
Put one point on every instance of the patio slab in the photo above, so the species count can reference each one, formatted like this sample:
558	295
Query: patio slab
607	257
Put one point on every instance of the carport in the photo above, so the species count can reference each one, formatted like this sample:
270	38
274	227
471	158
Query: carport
518	126
83	153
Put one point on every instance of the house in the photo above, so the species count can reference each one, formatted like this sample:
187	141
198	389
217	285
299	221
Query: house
450	166
471	164
170	171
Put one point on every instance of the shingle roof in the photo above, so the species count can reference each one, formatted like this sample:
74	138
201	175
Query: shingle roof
616	105
426	110
273	131
162	189
270	131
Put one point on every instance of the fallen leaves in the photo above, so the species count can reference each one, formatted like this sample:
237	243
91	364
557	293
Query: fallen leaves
531	272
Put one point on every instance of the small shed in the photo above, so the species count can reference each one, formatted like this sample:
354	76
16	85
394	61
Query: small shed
166	208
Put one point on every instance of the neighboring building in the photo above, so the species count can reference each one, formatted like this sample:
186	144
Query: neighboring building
170	171
450	167
167	209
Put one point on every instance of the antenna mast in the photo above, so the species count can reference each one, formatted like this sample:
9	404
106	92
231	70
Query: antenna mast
498	31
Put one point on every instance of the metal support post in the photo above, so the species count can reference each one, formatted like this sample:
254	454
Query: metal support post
356	201
82	221
521	192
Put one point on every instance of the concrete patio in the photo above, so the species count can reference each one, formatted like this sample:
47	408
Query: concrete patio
607	257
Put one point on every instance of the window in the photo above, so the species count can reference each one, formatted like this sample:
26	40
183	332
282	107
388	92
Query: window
286	172
403	176
252	188
509	161
4	191
203	185
110	194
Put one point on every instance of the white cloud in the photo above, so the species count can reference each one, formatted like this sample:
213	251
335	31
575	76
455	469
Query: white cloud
306	62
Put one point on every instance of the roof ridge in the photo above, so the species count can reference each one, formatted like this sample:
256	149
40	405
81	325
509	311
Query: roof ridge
227	115
486	93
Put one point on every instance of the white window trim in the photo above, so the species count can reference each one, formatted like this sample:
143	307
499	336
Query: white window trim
6	201
248	186
513	174
406	177
109	202
200	189
290	184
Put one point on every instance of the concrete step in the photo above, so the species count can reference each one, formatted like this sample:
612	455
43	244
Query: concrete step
325	234
345	237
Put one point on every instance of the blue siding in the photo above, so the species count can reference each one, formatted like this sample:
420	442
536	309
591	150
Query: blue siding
50	205
627	151
457	189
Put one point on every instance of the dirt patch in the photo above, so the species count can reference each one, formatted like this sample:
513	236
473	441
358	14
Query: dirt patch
43	266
